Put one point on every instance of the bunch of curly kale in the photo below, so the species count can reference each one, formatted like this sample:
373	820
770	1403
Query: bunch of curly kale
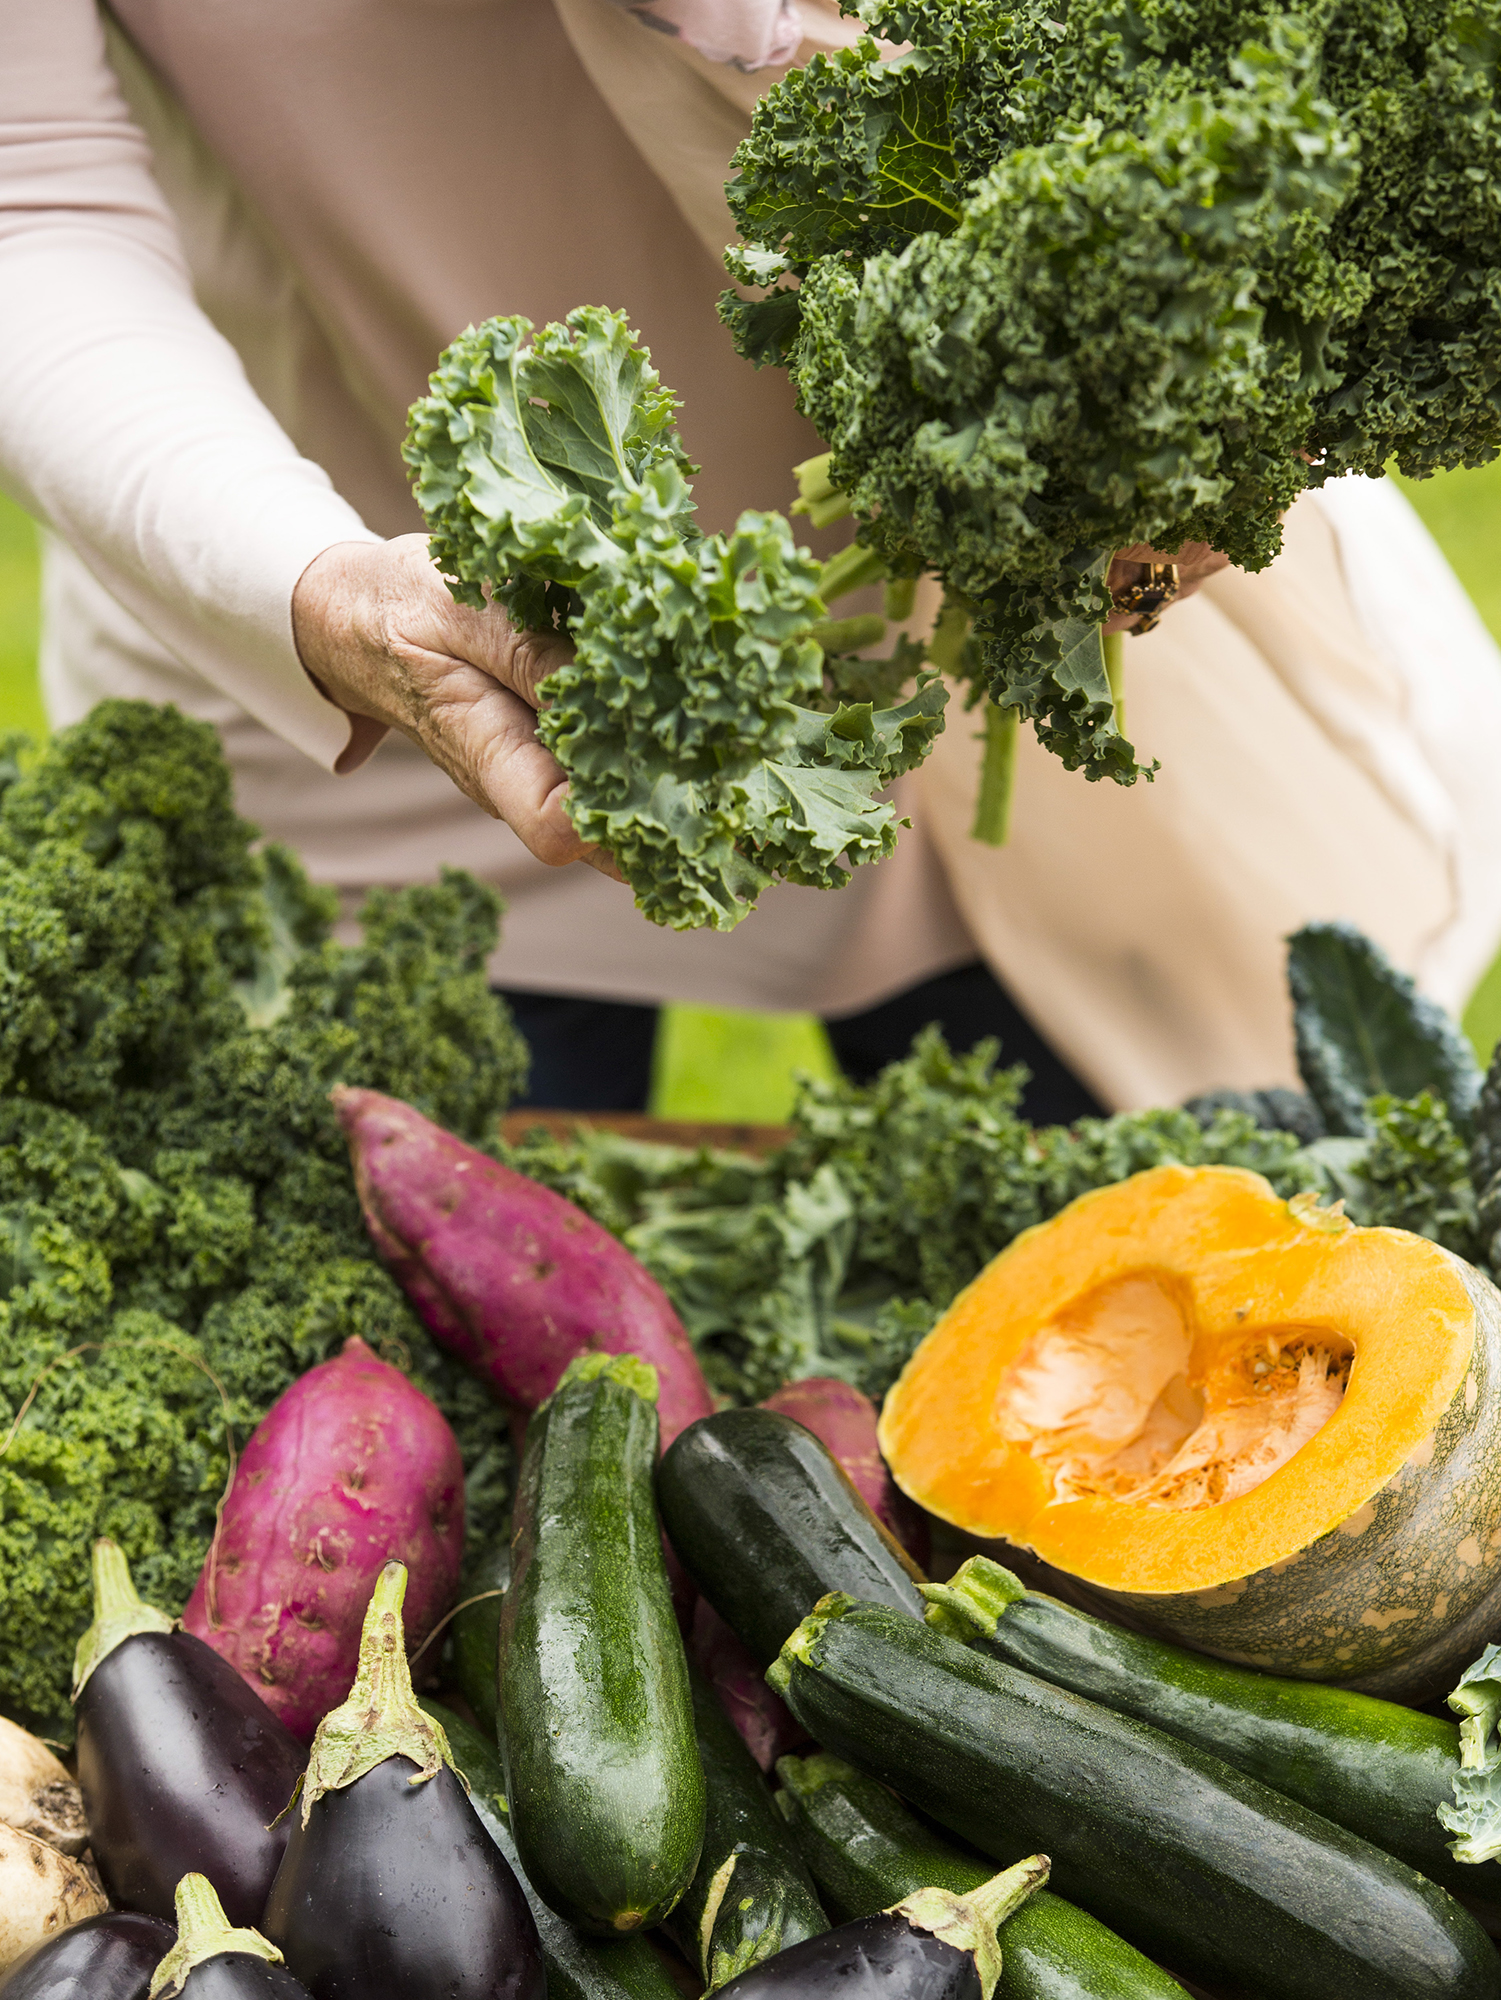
1058	281
177	1214
706	745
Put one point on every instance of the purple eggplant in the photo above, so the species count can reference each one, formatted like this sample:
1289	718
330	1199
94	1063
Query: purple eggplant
213	1960
104	1958
183	1767
934	1945
390	1884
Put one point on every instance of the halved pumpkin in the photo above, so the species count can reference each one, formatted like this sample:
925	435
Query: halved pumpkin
1243	1422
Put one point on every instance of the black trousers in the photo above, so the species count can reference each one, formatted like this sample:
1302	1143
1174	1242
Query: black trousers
595	1055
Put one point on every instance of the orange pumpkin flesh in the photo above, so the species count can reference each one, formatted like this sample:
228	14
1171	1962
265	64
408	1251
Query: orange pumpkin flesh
1150	1390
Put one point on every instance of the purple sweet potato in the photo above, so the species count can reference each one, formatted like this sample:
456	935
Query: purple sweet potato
765	1723
507	1275
844	1422
351	1467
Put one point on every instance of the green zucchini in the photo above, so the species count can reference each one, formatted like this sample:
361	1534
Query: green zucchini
476	1632
578	1968
766	1521
1205	1869
1378	1768
596	1720
751	1895
866	1852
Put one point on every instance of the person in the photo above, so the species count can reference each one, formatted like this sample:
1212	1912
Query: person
232	245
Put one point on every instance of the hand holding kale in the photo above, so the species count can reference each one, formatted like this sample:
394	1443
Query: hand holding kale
1124	274
702	748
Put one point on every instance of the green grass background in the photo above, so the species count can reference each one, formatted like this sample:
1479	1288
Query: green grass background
714	1063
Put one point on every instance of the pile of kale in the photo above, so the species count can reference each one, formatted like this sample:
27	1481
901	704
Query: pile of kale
1056	281
836	1254
179	1232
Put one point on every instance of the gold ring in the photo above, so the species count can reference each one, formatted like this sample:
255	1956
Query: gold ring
1151	596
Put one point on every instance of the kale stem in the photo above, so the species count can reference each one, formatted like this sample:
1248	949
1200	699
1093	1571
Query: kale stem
1113	647
997	775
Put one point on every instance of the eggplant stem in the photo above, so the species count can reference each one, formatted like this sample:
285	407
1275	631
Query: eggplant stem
119	1612
381	1717
997	777
203	1931
970	1923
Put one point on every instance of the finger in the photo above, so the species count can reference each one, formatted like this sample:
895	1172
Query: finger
518	659
485	738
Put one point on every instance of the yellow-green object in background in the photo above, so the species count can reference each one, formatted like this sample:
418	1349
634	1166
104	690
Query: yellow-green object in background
729	1067
20	699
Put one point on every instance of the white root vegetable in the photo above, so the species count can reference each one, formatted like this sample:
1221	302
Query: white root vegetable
42	1892
36	1794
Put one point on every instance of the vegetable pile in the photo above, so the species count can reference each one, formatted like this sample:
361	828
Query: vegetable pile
1054	286
1279	1839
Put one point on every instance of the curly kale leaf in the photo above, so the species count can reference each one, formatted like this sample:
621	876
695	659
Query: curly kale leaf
1076	280
552	477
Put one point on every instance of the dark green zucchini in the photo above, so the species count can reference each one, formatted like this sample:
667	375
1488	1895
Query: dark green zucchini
1373	1766
596	1720
476	1632
578	1968
1205	1869
766	1521
751	1896
866	1851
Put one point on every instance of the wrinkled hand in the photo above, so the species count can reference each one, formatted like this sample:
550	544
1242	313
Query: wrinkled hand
377	630
1196	561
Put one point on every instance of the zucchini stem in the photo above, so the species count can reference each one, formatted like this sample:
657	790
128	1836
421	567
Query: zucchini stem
997	776
971	1604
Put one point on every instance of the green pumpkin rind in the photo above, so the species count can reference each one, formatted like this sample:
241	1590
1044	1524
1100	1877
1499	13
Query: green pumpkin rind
1400	1596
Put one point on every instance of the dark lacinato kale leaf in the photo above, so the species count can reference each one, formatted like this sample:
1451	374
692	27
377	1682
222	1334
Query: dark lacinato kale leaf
1274	1110
1364	1030
1071	280
551	475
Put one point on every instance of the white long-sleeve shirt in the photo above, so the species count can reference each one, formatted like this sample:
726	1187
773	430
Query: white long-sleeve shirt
232	244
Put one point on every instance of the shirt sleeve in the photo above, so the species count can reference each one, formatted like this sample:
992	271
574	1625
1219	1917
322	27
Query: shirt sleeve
127	423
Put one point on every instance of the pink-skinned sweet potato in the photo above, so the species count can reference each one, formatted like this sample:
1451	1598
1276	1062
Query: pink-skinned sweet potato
506	1274
767	1726
844	1422
352	1466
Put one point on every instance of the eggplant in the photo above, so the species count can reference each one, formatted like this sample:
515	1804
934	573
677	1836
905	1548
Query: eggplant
104	1958
183	1767
390	1883
933	1945
214	1960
